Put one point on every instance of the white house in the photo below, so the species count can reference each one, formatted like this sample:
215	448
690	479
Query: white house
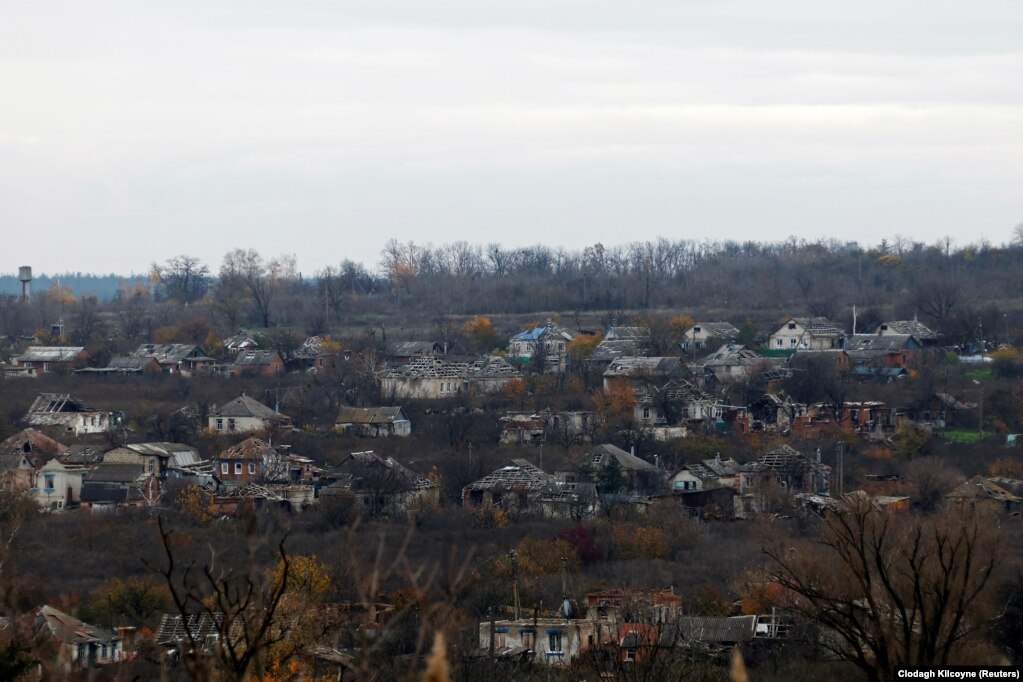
57	487
807	333
702	332
243	414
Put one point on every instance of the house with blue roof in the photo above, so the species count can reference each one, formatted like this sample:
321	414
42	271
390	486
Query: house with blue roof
545	347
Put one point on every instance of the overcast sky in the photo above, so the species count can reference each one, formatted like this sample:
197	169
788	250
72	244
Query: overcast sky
131	132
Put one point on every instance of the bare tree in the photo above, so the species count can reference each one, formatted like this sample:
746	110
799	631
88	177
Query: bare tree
132	305
16	504
262	279
183	278
890	590
241	604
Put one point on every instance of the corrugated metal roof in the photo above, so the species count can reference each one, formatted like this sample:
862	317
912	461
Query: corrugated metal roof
50	354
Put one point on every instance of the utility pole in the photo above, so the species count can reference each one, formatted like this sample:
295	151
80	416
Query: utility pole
840	465
516	606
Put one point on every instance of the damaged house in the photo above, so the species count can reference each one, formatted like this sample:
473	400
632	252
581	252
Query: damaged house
23	454
791	469
515	487
62	413
619	342
642	476
702	334
378	485
807	333
176	358
546	346
731	363
373	422
548	426
258	461
112	485
431	377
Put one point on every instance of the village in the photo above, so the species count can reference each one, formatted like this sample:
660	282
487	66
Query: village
629	443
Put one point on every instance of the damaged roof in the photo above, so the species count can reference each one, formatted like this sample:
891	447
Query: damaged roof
601	456
639	366
820	326
492	367
516	474
427	367
731	356
167	353
370	415
641	334
256	358
609	350
68	630
787	458
250	448
719	330
913	328
889	343
410	348
368	471
34	447
979	488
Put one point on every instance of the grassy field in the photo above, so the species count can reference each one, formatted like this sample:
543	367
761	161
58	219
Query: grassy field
961	436
983	374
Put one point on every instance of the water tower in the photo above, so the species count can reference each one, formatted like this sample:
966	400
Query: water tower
25	275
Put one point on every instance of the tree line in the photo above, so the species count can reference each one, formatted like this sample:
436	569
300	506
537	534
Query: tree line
960	290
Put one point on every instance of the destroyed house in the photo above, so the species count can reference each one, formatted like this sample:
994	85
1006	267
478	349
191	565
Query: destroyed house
201	630
73	644
513	487
379	485
375	422
731	363
402	352
621	342
675	402
794	471
170	356
985	493
430	377
60	412
640	371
